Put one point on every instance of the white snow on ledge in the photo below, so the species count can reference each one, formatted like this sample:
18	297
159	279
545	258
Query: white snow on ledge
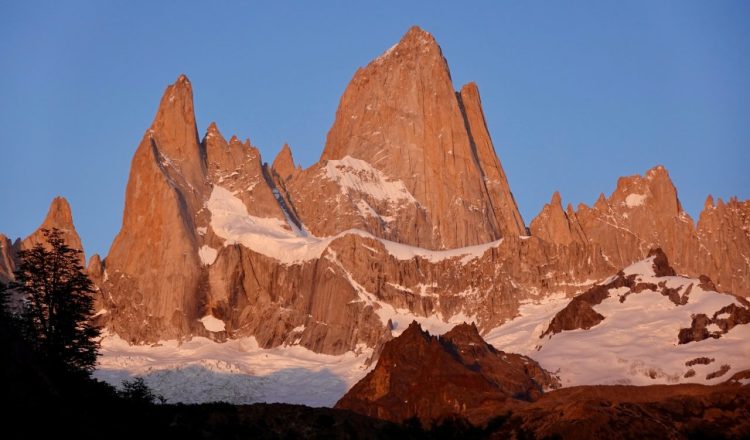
270	237
633	200
213	324
357	175
207	255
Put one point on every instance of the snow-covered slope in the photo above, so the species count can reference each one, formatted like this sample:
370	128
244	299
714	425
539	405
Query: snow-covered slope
641	326
237	371
646	328
273	237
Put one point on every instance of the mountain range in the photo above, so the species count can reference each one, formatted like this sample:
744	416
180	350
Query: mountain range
409	216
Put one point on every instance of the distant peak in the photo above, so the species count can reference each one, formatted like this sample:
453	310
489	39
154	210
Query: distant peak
182	79
470	88
556	199
657	172
213	136
417	33
174	124
415	41
709	203
59	214
283	164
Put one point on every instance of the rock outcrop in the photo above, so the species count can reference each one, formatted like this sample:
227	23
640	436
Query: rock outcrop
431	378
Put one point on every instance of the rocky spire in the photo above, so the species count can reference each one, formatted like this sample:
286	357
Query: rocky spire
553	224
153	261
401	115
283	165
59	216
502	202
174	130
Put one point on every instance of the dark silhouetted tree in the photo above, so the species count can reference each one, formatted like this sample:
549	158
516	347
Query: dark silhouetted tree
137	391
57	304
4	301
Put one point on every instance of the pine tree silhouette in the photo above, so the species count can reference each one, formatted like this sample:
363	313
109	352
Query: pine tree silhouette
57	304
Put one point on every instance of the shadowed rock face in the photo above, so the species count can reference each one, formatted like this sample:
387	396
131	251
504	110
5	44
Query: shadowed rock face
423	376
619	412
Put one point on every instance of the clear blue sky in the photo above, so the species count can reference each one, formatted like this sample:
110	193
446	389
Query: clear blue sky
575	93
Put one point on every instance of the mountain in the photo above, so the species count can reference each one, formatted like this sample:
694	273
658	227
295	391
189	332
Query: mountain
428	377
58	216
408	215
412	157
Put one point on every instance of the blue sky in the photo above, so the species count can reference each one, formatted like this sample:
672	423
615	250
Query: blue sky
576	94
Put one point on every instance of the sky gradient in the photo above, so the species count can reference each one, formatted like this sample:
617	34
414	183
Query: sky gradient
576	94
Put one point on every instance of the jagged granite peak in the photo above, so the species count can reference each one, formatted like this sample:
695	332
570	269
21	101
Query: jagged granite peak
238	167
555	225
95	268
153	263
59	216
401	116
283	164
642	212
175	132
709	203
504	207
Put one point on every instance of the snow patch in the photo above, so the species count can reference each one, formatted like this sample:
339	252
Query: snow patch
357	175
207	255
633	200
271	237
213	324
